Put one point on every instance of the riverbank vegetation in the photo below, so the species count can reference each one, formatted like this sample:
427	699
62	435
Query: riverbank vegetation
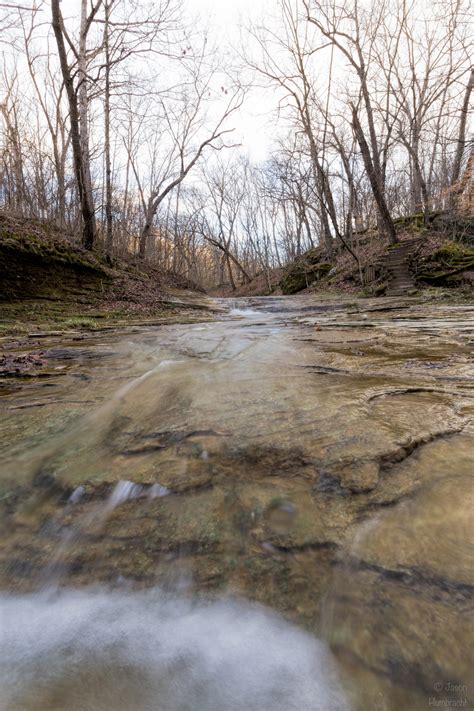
51	282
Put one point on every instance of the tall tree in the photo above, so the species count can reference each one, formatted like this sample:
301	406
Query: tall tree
461	137
371	170
353	31
75	83
285	60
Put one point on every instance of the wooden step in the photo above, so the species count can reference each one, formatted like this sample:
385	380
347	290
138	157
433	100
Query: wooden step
396	262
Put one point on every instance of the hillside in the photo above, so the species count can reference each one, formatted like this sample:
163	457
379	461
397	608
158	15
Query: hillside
49	281
442	258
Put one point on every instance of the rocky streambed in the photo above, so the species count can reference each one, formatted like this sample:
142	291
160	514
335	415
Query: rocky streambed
313	456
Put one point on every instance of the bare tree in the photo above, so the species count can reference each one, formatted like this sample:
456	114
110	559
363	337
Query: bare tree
107	146
373	176
285	60
13	154
132	34
76	90
186	130
49	95
353	32
461	138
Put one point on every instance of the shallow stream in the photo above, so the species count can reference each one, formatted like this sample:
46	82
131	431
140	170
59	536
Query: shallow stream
269	510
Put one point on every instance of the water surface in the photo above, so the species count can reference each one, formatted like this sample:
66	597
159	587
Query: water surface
312	457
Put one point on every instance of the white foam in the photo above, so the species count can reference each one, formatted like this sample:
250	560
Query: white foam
167	363
142	651
244	312
123	491
77	495
157	490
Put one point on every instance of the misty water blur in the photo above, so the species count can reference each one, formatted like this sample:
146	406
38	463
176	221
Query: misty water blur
129	651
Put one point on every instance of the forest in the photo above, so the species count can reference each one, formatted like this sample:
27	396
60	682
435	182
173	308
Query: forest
120	125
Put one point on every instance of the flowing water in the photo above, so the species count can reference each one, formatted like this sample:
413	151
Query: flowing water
108	650
268	510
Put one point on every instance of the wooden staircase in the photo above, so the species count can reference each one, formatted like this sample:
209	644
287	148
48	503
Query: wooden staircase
397	264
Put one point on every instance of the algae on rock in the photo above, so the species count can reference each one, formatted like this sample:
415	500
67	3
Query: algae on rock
449	265
308	268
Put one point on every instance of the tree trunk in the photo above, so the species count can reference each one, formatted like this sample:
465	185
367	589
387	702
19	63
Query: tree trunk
416	176
461	141
375	184
87	213
229	270
325	199
108	168
142	245
83	111
60	174
149	214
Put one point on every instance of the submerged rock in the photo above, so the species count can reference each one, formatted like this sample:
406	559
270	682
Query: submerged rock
307	468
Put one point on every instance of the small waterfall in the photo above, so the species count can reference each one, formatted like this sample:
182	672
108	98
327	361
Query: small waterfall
77	495
93	521
126	490
244	312
123	491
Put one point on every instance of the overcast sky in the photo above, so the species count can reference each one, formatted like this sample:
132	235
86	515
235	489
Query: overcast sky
227	11
226	17
254	125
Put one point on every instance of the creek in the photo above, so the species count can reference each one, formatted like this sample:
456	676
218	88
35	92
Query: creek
271	509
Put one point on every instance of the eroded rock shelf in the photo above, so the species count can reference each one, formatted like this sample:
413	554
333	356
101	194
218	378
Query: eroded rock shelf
313	456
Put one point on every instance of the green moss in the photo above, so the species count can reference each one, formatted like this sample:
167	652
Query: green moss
80	322
445	266
415	220
14	329
453	254
304	271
